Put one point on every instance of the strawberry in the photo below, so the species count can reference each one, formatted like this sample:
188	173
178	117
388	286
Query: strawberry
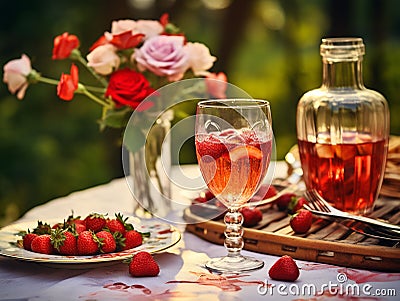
296	204
143	265
79	227
27	240
283	201
114	225
251	216
200	199
250	137
95	222
58	226
64	242
208	195
87	243
42	244
118	224
107	241
266	191
301	221
132	239
42	228
210	146
284	269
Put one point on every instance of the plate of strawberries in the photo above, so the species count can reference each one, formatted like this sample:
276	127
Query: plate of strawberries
95	238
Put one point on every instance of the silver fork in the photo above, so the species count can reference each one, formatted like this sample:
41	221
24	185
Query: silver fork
318	205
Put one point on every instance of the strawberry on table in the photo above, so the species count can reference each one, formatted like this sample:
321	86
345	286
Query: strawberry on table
296	204
42	244
284	269
143	265
251	216
87	243
283	201
301	221
95	222
27	240
266	191
64	242
107	241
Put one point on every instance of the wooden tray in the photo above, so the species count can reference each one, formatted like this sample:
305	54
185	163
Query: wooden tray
326	241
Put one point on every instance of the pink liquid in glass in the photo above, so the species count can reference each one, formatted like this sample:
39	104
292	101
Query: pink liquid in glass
347	175
233	164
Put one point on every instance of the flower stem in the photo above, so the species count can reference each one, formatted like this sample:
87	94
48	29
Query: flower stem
82	89
48	80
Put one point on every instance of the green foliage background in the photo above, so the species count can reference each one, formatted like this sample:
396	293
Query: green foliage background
269	48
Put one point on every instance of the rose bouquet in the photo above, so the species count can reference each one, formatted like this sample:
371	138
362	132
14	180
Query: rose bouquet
129	63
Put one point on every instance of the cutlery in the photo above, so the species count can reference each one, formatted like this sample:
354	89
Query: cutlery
367	230
319	206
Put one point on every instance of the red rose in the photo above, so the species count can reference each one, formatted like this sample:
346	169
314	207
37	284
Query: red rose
68	84
63	46
129	88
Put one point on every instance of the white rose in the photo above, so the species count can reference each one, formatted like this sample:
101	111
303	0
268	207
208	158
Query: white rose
199	58
103	59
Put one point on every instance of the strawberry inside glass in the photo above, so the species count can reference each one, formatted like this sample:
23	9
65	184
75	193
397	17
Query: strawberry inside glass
233	163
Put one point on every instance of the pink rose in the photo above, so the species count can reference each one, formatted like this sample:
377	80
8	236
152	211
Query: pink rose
15	73
164	56
103	59
217	84
200	58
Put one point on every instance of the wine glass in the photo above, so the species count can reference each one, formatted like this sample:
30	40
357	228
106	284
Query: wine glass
233	146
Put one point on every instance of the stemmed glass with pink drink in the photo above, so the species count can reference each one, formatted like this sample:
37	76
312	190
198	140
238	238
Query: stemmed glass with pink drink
233	147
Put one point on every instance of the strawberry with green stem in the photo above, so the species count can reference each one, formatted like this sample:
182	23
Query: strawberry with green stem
118	224
64	242
95	222
87	243
107	242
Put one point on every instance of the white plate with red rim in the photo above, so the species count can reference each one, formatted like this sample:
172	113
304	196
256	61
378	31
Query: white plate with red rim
162	237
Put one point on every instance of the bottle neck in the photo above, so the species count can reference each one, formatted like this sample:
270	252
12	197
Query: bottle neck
342	74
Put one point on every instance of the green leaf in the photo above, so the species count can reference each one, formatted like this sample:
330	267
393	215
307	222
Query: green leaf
116	118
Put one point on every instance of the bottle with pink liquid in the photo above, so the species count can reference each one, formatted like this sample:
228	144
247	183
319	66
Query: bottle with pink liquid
343	130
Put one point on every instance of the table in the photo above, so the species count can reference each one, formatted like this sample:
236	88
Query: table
182	275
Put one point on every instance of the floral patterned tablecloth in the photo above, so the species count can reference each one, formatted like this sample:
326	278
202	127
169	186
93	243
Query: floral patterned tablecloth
182	275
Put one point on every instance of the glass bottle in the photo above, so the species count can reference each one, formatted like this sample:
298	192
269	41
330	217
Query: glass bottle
343	130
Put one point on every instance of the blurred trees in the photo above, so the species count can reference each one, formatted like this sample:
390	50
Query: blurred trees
269	48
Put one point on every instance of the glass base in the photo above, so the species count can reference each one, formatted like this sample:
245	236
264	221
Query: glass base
234	264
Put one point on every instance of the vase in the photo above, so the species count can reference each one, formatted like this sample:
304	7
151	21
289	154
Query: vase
150	168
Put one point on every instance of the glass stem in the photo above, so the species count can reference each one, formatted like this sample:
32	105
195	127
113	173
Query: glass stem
233	233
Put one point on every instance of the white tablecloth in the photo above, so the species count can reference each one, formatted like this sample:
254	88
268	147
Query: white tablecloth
182	276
